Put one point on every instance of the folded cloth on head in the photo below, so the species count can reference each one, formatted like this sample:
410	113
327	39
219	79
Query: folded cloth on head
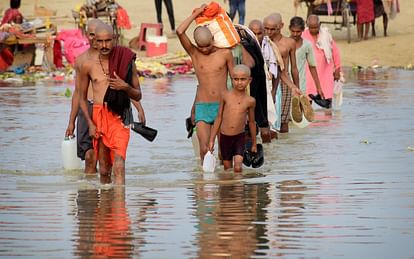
220	25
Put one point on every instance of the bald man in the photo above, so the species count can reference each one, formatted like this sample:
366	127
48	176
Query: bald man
84	141
273	25
106	127
328	59
211	66
256	26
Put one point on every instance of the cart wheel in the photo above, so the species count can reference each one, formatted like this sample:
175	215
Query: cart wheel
346	21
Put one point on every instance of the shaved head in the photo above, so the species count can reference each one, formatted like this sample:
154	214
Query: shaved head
313	24
104	37
273	18
203	36
256	26
273	25
91	30
241	69
93	23
104	28
313	19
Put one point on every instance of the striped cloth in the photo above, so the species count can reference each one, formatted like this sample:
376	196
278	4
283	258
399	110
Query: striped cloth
286	97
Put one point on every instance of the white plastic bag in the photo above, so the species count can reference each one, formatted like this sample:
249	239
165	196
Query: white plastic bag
337	95
209	163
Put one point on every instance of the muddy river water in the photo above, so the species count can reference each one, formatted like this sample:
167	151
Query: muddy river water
342	187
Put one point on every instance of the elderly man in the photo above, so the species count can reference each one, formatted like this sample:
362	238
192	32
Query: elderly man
328	62
273	25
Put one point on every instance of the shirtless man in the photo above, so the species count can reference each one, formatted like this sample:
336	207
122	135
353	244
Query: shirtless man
256	26
273	25
211	66
235	106
84	141
110	136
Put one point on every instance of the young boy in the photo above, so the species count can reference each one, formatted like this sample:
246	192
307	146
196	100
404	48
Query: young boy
211	66
231	120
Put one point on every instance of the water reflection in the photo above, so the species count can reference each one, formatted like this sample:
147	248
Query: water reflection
286	222
231	219
104	224
341	187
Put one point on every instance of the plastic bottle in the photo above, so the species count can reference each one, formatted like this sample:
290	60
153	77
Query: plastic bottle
209	163
69	154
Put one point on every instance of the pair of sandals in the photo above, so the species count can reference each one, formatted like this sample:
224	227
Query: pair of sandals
254	160
301	109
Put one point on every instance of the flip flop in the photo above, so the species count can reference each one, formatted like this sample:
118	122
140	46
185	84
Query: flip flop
147	132
307	108
324	103
296	111
189	126
258	157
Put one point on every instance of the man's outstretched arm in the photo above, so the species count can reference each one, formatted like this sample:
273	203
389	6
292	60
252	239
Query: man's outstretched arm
185	41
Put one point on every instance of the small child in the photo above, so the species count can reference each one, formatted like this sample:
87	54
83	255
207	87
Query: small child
231	120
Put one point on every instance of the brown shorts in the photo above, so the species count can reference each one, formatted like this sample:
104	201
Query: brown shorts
232	145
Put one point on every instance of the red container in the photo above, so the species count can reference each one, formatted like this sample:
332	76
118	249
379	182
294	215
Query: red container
156	46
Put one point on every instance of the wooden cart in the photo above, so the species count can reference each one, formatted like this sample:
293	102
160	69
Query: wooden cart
102	9
342	11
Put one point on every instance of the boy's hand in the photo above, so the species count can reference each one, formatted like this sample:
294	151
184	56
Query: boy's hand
211	146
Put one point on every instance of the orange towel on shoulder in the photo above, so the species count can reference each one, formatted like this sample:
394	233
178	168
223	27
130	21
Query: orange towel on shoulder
220	25
111	130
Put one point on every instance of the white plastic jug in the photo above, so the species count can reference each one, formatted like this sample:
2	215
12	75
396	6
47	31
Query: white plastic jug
209	163
69	154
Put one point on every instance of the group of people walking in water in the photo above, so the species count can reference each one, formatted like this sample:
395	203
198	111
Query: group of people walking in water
271	66
242	90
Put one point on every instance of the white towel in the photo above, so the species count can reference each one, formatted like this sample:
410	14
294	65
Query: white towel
324	43
269	56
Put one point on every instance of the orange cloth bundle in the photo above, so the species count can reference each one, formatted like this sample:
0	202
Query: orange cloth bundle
111	130
220	25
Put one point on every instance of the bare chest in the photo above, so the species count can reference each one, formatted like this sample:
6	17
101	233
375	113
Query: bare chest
210	64
284	48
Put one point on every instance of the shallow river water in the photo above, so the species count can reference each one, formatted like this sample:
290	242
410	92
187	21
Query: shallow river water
342	187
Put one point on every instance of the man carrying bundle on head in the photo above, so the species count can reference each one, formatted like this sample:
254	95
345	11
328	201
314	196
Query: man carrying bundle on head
211	65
